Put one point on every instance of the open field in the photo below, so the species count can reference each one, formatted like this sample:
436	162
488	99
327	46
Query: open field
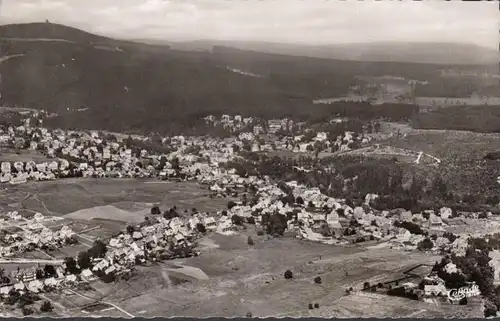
123	200
241	279
450	144
10	155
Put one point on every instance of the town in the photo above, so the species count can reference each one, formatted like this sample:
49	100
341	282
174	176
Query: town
272	206
249	159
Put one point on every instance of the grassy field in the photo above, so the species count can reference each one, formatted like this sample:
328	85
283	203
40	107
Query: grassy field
243	278
10	155
450	144
112	199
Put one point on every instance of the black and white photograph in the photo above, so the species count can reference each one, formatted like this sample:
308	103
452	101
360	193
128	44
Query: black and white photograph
249	159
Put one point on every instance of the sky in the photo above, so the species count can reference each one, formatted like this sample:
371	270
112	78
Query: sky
314	22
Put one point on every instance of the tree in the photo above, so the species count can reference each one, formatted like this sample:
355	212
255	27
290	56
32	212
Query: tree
155	210
317	280
71	266
84	260
251	220
40	274
231	204
250	241
49	270
27	311
130	229
299	200
201	228
237	220
490	309
46	307
288	275
98	249
276	224
316	305
311	306
366	285
425	245
170	214
175	163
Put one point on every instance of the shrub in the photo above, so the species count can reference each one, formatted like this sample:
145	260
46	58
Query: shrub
490	309
311	306
231	204
201	228
46	307
251	220
237	220
317	280
27	311
276	224
366	285
316	305
155	210
425	245
250	241
288	274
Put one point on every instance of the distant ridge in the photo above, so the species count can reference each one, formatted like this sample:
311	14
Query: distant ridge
96	82
417	52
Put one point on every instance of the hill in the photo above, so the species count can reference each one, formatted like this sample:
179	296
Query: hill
417	52
127	86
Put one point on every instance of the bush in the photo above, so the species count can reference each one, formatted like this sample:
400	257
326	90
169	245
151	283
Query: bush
425	245
316	305
317	280
46	307
130	229
155	210
201	228
170	214
237	220
311	306
251	220
412	227
288	275
27	311
250	241
490	309
276	224
366	285
231	204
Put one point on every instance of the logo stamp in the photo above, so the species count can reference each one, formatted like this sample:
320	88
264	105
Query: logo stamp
464	292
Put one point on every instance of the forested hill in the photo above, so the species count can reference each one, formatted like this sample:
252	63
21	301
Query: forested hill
122	85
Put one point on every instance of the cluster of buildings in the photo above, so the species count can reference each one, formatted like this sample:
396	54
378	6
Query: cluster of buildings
94	154
31	234
316	217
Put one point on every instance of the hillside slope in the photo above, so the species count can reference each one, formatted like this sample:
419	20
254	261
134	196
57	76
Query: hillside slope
127	86
418	52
